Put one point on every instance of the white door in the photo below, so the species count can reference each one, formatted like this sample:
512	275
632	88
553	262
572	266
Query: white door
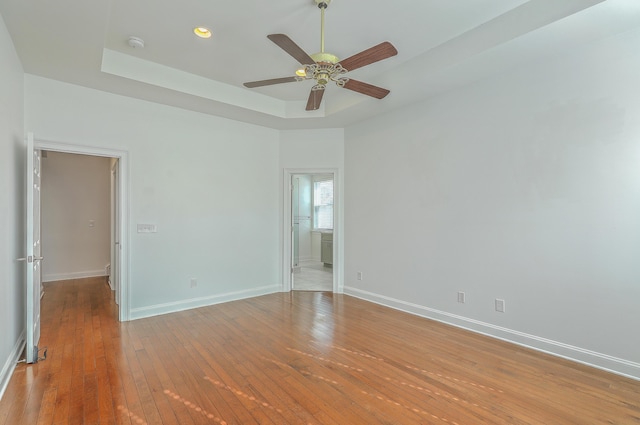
115	230
294	227
34	254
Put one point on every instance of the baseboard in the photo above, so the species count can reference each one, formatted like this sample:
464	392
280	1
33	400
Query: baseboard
52	277
591	358
10	364
155	310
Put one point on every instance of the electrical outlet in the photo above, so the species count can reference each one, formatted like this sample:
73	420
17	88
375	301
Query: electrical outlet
359	275
461	297
194	282
499	305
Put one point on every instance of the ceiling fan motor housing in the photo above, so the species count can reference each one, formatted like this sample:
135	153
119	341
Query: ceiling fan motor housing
324	57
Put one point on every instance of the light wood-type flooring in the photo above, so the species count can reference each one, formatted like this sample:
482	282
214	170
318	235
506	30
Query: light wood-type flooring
293	358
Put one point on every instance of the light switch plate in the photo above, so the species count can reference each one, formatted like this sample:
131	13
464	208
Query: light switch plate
147	228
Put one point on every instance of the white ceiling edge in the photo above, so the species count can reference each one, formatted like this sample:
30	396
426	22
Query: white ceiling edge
539	31
152	73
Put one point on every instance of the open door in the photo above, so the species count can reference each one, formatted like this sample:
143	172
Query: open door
311	232
295	215
115	229
34	254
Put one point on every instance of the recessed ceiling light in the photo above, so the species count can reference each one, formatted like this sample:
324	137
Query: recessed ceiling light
202	32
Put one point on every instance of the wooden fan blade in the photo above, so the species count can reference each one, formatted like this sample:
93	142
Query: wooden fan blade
374	54
365	88
315	98
286	44
270	82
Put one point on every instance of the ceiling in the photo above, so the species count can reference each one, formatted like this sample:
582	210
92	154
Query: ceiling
442	44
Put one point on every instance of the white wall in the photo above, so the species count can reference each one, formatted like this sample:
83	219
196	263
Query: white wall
12	202
524	187
209	184
312	149
76	215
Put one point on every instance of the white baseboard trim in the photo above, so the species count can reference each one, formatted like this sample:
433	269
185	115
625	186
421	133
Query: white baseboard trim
590	358
155	310
10	364
52	277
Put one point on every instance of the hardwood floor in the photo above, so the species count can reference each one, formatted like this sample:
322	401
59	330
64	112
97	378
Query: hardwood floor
295	358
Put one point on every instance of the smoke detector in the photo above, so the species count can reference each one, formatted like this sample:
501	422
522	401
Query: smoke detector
136	42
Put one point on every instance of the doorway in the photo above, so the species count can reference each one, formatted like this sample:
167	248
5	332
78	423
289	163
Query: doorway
33	257
310	211
117	265
76	216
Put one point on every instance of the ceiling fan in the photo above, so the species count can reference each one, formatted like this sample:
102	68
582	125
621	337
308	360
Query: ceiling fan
324	67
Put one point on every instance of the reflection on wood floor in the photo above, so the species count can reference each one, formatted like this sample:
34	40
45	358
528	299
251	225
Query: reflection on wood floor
293	358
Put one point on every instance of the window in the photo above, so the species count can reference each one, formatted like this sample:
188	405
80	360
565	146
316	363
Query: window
323	205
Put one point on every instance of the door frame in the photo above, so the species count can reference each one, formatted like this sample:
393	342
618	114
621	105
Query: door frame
287	225
123	291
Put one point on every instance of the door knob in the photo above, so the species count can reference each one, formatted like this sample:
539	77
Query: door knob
30	259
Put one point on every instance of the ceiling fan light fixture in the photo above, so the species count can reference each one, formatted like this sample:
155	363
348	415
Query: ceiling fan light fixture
324	67
202	32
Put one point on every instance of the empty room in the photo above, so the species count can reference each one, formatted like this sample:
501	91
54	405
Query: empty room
320	212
